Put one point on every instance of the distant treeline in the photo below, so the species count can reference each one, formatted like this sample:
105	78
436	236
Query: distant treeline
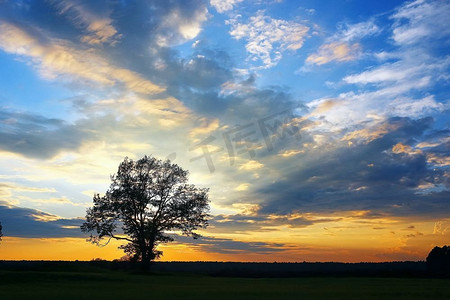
235	269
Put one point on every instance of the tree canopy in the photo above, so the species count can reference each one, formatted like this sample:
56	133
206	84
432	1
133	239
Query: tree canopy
147	198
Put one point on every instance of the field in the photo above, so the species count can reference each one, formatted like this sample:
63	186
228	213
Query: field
109	284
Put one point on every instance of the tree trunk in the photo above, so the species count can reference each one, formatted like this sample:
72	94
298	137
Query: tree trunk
145	264
145	259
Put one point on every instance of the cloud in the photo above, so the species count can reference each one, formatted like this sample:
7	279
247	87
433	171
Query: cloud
389	72
31	223
292	152
354	32
436	145
224	5
204	71
334	52
343	45
421	20
196	80
267	38
371	175
442	227
59	142
236	106
242	187
56	57
251	165
14	186
192	83
402	83
230	246
37	136
257	221
99	28
403	107
403	71
181	24
401	88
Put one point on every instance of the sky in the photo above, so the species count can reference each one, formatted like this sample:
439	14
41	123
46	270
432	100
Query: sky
321	128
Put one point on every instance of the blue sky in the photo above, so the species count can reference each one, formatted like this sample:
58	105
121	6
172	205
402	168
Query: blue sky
323	120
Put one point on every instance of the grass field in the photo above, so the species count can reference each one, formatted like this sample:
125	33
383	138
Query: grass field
122	285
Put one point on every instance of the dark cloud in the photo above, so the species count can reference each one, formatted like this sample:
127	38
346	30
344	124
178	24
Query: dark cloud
230	246
367	176
31	223
148	21
37	136
35	16
242	223
200	81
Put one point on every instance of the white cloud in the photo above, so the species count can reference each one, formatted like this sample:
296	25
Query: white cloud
224	5
413	70
401	88
421	20
405	107
349	33
268	38
394	84
177	28
389	72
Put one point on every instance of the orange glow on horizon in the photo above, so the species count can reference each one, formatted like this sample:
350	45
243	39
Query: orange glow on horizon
353	237
71	249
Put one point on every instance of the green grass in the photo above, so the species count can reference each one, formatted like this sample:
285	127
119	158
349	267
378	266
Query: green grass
121	285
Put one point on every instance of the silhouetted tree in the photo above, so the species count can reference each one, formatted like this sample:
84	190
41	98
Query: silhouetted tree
438	261
146	199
